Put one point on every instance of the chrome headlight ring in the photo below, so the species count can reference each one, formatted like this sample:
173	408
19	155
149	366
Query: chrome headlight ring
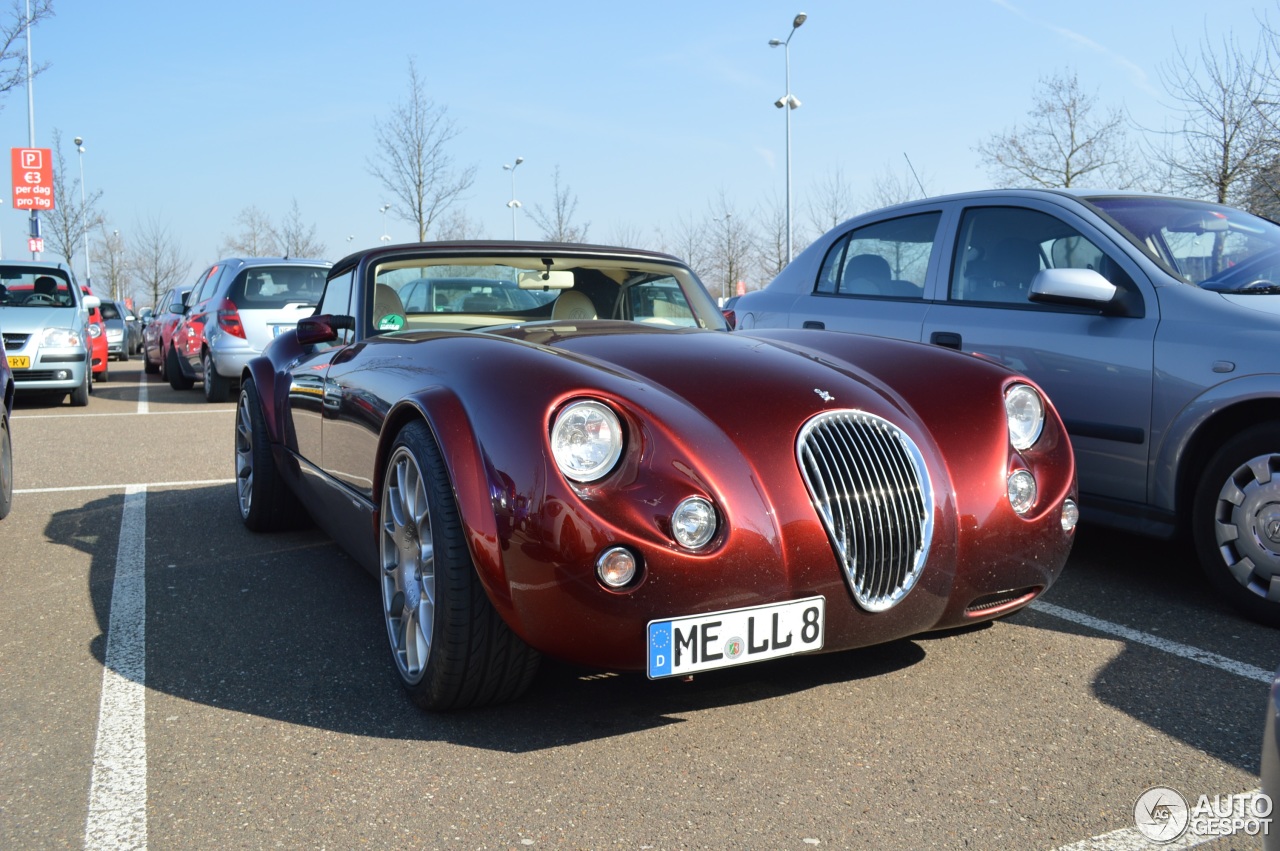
1024	414
586	440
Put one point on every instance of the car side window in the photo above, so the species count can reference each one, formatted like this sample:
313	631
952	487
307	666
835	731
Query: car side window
886	259
336	301
1002	249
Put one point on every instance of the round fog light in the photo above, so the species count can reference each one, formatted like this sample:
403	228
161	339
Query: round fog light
693	523
1070	515
63	375
1022	491
616	567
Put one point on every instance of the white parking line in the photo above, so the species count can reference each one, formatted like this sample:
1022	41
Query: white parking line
116	487
125	414
142	396
1184	651
118	788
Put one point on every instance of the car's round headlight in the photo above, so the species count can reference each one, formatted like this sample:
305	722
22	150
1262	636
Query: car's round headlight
95	330
693	523
586	440
1022	491
1024	409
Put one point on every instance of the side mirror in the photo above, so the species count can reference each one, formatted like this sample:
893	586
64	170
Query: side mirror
323	328
1079	287
92	302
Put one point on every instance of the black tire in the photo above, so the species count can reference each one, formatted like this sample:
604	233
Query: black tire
124	353
103	376
173	371
217	388
265	501
6	467
80	396
1236	525
467	656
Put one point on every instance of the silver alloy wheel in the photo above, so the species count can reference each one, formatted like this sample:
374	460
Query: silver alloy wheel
1247	525
408	565
244	455
208	371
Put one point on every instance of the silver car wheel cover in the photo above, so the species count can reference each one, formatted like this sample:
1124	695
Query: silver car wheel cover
1247	525
408	565
244	455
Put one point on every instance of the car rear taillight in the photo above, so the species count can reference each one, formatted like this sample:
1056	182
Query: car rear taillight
229	318
731	318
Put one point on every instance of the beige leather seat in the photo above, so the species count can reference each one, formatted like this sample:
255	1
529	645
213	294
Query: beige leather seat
386	302
573	305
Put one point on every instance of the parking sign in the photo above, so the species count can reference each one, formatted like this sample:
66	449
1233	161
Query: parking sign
32	178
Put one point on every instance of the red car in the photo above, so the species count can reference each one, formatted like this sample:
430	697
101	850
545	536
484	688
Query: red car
97	328
157	335
561	449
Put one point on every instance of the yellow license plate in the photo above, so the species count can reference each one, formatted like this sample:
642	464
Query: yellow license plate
19	362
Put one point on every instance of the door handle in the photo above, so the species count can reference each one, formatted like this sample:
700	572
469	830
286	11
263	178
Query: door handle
814	324
946	339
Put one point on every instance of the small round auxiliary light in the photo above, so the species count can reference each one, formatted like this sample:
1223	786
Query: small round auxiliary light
616	567
1022	491
693	523
1070	515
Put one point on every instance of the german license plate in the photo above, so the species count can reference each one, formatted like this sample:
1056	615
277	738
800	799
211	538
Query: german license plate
19	362
686	645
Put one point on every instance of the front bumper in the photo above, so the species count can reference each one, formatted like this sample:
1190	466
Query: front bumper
51	369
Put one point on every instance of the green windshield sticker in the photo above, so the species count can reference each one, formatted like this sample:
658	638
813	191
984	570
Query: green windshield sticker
391	322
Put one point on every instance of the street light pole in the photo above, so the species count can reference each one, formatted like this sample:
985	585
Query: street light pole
513	203
789	102
88	276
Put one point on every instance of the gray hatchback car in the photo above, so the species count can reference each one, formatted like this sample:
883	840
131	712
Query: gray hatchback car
1152	322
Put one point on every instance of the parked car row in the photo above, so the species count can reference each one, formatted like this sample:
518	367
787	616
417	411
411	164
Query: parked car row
207	332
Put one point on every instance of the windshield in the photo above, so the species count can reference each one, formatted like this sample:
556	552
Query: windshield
477	292
26	287
1209	245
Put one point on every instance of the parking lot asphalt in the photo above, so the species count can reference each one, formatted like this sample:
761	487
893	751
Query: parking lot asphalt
170	680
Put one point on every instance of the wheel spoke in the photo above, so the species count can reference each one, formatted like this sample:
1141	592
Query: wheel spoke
408	583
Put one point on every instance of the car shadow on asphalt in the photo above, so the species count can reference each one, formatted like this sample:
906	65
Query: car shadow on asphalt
285	626
1156	588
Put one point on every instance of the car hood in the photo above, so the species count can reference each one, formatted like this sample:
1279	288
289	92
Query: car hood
723	375
29	320
1261	303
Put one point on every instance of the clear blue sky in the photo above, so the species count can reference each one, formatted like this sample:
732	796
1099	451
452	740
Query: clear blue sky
193	111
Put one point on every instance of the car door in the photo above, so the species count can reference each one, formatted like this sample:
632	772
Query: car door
874	279
1095	365
201	309
311	400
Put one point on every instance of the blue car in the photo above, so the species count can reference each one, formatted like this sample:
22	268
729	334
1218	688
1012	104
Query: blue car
1152	322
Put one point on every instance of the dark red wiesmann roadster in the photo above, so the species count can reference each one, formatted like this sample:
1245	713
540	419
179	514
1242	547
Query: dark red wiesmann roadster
560	449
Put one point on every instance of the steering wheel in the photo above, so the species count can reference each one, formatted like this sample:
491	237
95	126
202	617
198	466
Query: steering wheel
40	298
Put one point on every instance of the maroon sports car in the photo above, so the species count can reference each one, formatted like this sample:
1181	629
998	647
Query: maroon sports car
562	450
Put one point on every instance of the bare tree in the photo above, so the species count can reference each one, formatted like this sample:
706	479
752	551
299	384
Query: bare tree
297	239
412	161
1228	131
70	220
13	42
1065	141
772	241
889	187
732	245
156	259
631	235
557	223
687	239
831	202
111	259
257	236
457	225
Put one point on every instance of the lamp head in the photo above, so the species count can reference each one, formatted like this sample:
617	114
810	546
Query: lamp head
775	42
800	19
79	141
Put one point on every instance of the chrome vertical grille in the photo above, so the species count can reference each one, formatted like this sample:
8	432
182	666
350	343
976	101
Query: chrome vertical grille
870	485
